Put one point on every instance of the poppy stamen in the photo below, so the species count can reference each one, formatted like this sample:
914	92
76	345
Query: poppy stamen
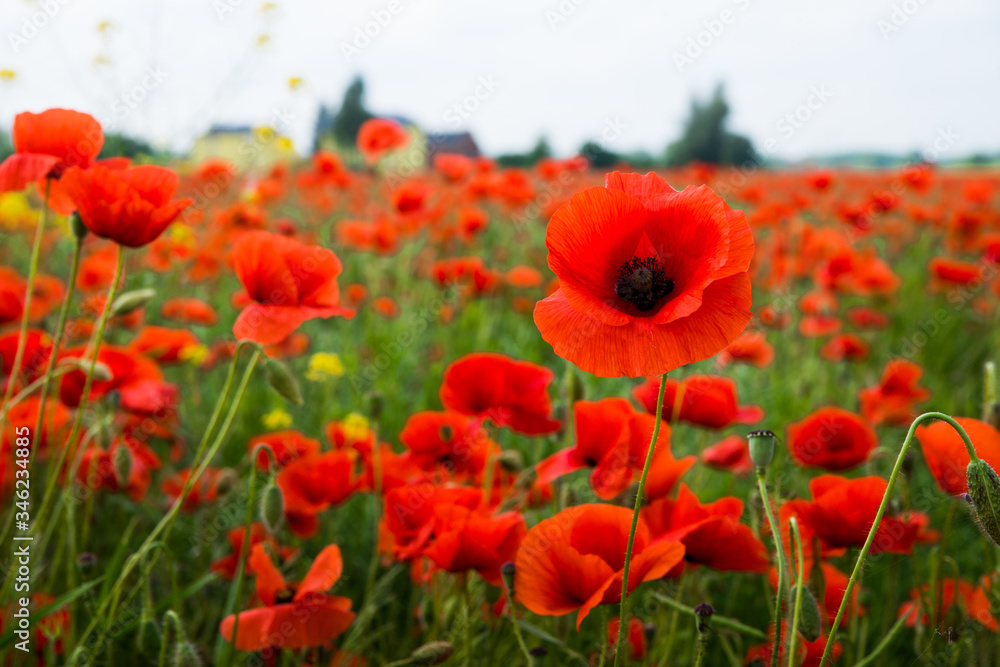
643	282
284	596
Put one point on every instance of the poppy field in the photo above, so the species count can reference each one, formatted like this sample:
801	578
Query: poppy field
384	414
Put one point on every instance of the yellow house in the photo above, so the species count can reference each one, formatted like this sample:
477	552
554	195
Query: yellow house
251	149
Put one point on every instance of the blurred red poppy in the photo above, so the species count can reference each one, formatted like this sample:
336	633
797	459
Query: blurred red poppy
947	457
705	400
378	136
831	438
506	391
650	278
731	453
48	143
292	617
287	283
132	207
892	401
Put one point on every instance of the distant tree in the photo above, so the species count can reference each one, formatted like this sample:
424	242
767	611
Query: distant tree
352	114
598	155
706	138
119	145
540	151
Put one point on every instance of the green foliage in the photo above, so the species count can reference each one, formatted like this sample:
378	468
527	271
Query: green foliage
120	145
540	151
706	138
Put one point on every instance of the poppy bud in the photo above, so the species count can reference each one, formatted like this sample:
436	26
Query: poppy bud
810	626
79	229
185	655
129	302
148	640
511	461
121	462
761	447
704	612
228	479
86	561
282	381
507	571
376	401
272	507
538	655
432	653
984	494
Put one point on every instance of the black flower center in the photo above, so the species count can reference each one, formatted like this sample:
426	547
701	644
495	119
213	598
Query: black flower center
284	596
643	282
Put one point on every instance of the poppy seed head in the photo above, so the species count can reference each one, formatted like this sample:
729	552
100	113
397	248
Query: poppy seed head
643	282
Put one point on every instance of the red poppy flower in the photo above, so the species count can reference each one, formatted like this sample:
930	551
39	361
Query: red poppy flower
469	539
845	347
132	207
408	523
613	439
34	358
831	438
163	344
137	379
447	442
574	560
712	534
867	318
97	470
748	348
705	400
378	136
509	392
286	446
892	400
48	143
205	490
312	484
650	278
636	636
227	565
189	311
971	598
954	272
292	617
732	454
947	457
843	510
808	654
287	283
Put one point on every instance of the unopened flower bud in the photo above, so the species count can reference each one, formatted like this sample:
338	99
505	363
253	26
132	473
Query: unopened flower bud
282	381
984	494
432	653
272	507
704	612
129	302
76	223
761	447
511	461
809	621
507	571
121	461
148	640
185	655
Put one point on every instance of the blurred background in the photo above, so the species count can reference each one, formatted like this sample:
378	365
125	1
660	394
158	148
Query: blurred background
649	82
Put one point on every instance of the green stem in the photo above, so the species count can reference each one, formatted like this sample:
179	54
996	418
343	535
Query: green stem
167	521
779	547
513	621
799	581
619	645
22	340
881	510
93	350
884	644
467	630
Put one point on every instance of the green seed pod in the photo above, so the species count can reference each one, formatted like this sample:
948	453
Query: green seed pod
185	655
761	447
148	640
272	507
121	462
984	494
282	381
79	229
130	302
810	625
511	461
432	653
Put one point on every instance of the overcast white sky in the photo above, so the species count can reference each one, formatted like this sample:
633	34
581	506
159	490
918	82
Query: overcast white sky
890	75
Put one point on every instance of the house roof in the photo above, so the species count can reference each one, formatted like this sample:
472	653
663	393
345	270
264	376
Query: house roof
461	143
